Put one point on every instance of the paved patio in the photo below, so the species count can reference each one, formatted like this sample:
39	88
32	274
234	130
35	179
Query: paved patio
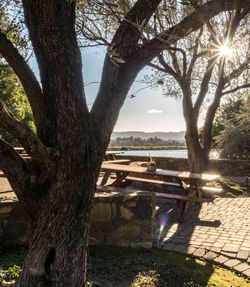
218	231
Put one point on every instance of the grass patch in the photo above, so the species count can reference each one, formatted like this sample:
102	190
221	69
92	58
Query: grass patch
123	267
229	186
156	268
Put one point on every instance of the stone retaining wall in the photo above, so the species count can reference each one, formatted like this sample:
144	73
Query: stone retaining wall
120	219
222	167
123	219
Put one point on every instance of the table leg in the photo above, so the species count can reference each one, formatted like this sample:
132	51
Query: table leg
119	180
183	206
105	177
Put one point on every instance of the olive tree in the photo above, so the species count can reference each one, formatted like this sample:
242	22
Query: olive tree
206	66
56	187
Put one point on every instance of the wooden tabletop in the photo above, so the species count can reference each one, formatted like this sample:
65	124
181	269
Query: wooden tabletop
159	172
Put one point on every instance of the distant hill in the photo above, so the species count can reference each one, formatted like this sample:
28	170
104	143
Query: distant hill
180	136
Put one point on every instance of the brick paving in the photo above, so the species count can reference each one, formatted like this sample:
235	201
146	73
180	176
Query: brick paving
218	231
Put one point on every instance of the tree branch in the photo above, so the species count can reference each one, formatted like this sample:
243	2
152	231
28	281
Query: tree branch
24	73
195	56
207	130
188	25
237	72
12	164
246	86
204	86
33	146
113	89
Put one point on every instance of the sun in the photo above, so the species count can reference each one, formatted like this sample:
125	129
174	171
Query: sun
226	51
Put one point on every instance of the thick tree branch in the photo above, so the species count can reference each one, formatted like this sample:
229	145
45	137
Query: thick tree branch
33	146
204	86
207	130
113	89
189	24
26	76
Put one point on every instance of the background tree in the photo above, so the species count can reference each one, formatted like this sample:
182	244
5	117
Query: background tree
204	68
56	187
232	129
195	66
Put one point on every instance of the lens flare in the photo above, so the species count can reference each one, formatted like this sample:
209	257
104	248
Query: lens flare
163	224
226	51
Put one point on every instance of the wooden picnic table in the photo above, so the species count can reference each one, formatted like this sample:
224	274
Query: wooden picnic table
191	183
125	170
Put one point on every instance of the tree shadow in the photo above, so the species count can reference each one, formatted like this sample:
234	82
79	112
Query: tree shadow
138	267
179	237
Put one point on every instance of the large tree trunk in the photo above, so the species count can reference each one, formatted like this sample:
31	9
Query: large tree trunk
197	156
57	251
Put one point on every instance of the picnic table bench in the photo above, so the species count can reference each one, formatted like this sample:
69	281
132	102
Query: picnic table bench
191	183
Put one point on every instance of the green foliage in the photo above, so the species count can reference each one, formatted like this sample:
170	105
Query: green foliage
232	129
10	273
231	186
151	142
147	147
11	91
11	259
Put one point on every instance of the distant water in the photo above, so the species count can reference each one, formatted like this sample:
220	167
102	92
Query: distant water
180	153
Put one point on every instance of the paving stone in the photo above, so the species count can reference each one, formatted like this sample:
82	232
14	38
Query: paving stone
231	263
247	273
242	255
221	259
218	244
230	241
190	250
168	246
180	248
242	267
210	255
199	252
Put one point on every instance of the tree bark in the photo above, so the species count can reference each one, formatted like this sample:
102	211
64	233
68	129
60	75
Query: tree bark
58	248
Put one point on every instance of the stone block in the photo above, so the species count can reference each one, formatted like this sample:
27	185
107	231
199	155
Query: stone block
5	209
129	232
101	212
126	213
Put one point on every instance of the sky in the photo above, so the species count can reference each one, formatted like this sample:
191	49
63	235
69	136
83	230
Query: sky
149	111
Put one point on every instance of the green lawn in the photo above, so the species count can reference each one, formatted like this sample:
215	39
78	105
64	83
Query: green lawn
122	267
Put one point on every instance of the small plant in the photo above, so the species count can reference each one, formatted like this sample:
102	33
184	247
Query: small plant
151	165
152	161
146	279
11	273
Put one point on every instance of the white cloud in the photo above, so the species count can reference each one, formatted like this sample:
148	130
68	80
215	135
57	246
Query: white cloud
154	111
